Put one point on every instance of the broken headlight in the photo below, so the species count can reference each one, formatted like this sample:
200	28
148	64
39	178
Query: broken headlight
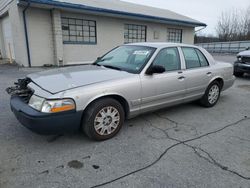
36	102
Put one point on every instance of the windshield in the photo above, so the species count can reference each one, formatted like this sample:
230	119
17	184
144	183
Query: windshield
127	58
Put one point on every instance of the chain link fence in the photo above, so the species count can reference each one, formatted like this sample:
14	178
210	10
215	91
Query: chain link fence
225	47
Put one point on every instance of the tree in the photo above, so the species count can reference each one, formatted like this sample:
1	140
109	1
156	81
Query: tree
234	25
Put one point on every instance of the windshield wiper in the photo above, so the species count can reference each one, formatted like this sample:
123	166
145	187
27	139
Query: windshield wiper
112	67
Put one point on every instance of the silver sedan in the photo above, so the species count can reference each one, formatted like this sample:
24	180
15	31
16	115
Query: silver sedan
127	81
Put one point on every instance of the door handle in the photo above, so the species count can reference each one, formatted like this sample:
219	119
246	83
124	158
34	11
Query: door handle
181	78
209	73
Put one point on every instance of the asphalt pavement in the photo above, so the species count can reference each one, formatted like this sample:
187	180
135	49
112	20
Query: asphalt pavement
178	147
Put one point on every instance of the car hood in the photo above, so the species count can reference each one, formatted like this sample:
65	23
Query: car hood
61	79
244	53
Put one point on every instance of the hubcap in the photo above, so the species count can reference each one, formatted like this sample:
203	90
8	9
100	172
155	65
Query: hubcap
213	94
107	120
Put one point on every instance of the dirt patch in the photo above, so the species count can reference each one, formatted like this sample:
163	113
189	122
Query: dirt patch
75	164
95	166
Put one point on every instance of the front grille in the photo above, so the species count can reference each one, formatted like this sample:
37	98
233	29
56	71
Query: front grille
245	59
21	90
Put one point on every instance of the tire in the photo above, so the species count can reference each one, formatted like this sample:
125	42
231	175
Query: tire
238	74
103	119
209	101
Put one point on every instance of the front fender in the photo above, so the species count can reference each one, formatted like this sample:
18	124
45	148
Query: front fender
108	94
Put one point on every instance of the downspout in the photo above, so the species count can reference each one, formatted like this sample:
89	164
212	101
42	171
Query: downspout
26	32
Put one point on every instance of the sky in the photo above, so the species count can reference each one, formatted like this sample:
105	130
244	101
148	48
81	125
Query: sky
206	11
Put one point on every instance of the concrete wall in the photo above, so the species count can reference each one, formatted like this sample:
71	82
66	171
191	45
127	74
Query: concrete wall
7	38
57	36
3	5
17	29
2	49
110	33
45	40
3	11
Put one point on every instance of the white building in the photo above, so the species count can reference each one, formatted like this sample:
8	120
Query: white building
38	32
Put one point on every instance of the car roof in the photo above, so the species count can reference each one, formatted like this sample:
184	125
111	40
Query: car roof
159	44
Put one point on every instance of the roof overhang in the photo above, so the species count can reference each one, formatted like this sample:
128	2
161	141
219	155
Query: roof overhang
105	12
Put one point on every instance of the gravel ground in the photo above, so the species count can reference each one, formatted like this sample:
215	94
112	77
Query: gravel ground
183	146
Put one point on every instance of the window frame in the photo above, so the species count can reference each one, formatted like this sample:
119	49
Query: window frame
174	29
77	25
180	68
132	32
195	49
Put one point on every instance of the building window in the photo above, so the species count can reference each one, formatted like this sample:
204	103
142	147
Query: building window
78	31
175	35
134	33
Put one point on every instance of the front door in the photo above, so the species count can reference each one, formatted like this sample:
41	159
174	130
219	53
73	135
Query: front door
159	90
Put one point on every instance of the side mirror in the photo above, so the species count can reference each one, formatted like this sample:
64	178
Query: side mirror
155	69
97	60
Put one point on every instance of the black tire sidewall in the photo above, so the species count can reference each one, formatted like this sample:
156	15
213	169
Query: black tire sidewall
91	112
204	100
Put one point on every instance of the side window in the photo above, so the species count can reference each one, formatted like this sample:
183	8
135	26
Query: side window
203	60
191	58
169	59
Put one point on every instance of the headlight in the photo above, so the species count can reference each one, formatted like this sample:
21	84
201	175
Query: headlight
51	106
36	102
239	58
54	106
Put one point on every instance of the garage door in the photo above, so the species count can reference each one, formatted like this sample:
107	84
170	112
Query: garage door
7	38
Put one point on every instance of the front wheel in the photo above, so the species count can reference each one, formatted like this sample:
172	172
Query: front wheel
212	95
103	119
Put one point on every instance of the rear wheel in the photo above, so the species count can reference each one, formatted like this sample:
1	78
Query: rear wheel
103	119
212	95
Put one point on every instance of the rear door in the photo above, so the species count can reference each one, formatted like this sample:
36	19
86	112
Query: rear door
197	74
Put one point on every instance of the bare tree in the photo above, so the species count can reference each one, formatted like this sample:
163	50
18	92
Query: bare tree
247	23
234	24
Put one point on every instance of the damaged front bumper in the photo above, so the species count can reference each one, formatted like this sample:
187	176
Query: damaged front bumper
242	67
36	121
21	90
43	123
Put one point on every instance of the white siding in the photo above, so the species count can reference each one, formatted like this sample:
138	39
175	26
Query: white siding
188	35
110	33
